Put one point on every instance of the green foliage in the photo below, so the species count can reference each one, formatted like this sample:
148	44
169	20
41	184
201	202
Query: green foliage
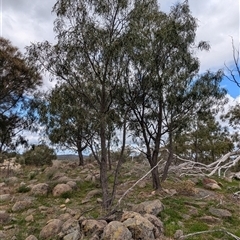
66	195
23	189
39	156
203	139
18	78
198	226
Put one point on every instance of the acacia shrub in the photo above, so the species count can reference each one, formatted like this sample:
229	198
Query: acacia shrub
40	155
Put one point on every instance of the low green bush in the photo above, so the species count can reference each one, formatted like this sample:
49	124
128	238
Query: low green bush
40	155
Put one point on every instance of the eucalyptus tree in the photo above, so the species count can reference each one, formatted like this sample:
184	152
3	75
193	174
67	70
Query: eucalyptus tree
66	119
203	140
90	56
18	80
163	85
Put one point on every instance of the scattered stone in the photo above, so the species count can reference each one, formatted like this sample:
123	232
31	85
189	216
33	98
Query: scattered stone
91	194
158	224
70	230
29	218
210	219
221	213
40	189
237	176
4	217
152	207
61	188
140	227
178	234
63	179
90	227
52	228
72	184
116	230
5	197
211	184
67	200
2	235
12	180
21	205
31	237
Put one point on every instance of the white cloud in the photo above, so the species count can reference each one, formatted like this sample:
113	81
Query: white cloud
28	21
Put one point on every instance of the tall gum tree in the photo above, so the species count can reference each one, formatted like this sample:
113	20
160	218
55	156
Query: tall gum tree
65	119
163	83
89	55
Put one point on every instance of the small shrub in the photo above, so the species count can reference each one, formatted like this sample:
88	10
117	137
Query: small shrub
32	175
66	195
23	189
39	156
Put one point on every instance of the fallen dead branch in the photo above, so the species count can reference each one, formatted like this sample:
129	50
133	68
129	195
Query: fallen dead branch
220	166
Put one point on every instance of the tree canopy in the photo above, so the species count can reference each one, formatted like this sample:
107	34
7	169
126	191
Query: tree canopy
18	80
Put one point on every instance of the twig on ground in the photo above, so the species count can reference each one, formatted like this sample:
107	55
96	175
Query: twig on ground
129	189
210	231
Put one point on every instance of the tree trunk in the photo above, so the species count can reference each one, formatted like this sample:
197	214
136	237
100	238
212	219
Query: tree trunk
109	155
80	149
80	156
156	179
155	173
170	158
103	169
120	160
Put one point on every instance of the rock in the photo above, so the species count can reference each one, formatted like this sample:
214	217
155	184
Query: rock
63	179
116	231
61	188
21	205
236	176
178	234
4	216
221	213
40	189
158	224
90	227
12	180
51	229
29	218
211	184
72	184
91	194
31	237
152	207
210	219
5	197
72	236
4	190
2	235
139	226
70	230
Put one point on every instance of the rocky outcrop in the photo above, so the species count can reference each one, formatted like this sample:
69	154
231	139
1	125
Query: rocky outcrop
221	213
209	183
40	189
237	176
60	189
51	230
116	230
21	205
152	207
